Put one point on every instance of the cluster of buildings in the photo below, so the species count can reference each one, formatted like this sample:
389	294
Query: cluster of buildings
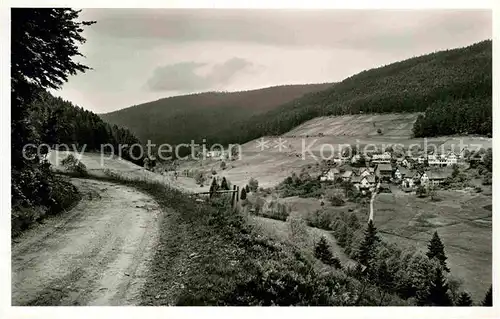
408	172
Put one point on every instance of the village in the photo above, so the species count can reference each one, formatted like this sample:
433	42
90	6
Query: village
365	172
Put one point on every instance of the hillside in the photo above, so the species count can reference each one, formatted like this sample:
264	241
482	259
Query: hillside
452	87
180	119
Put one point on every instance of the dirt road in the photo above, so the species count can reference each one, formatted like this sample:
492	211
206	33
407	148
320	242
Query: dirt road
96	254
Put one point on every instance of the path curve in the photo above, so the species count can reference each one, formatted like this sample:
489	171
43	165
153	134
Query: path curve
96	254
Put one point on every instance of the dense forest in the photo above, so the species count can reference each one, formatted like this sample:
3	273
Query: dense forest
61	122
459	80
180	119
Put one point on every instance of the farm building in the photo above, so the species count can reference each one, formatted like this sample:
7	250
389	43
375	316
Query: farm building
329	175
385	171
381	158
436	178
347	176
401	172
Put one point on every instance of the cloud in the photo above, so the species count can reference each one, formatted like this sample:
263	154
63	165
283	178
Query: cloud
183	76
380	30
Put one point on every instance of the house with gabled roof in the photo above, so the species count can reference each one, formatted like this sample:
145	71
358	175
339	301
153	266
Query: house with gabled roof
384	171
346	177
437	177
401	172
365	171
363	182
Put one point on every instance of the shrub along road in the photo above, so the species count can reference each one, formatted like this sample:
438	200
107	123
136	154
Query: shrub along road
96	254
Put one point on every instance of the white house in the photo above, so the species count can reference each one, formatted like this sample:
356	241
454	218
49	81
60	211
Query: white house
365	171
329	175
451	159
381	158
437	160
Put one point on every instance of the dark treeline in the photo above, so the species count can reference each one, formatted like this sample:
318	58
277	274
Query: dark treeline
459	79
61	122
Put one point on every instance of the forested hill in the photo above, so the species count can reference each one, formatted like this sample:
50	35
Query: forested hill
452	87
182	118
57	121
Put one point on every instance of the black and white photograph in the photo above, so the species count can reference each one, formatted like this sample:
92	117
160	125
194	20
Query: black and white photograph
257	157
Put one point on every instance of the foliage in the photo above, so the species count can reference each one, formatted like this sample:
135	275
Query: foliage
335	197
323	253
432	83
488	298
275	210
436	250
72	165
243	195
253	184
44	45
368	248
199	178
437	294
223	165
247	188
464	300
224	184
302	186
421	191
180	119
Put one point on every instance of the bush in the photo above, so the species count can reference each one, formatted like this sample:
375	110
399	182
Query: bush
320	219
275	210
72	165
199	178
253	184
335	197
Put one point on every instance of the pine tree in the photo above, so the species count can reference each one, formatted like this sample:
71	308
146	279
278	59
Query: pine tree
436	249
368	247
213	188
323	253
464	300
243	194
223	184
247	189
488	299
437	293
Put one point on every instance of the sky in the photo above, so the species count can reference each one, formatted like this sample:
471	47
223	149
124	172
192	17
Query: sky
141	55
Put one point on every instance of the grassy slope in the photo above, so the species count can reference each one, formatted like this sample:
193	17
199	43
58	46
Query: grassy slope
182	118
210	255
434	80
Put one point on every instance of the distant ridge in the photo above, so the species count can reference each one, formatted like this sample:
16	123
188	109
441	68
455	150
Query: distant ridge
180	119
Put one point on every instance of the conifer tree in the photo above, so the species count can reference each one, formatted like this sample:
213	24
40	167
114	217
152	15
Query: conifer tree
243	195
437	293
464	300
247	189
213	188
368	247
323	253
436	250
223	184
488	299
